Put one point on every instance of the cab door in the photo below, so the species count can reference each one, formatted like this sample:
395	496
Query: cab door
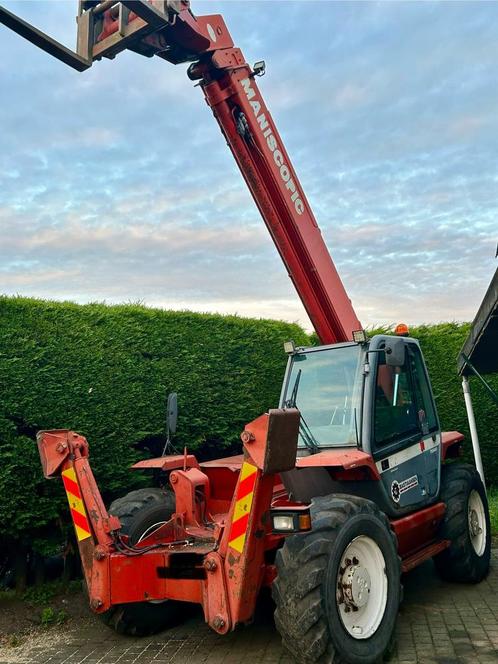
406	438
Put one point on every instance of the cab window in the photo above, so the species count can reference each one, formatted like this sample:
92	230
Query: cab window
395	408
403	401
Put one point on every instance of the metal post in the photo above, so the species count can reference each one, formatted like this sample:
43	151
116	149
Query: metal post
473	429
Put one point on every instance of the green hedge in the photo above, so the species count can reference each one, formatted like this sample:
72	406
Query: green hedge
105	371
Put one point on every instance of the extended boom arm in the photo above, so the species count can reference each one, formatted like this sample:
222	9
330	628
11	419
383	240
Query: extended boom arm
167	28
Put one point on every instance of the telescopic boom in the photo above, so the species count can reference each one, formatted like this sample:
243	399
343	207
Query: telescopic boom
168	29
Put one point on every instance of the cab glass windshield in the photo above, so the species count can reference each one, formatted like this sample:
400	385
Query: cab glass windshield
326	387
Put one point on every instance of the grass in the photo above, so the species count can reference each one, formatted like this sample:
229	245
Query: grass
45	609
43	594
50	616
493	509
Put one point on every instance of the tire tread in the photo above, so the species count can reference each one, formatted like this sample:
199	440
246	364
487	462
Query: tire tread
141	618
460	562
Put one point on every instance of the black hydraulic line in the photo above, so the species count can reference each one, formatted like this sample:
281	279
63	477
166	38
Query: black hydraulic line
128	550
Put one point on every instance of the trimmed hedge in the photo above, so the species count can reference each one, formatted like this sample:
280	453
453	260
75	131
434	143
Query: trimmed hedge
105	371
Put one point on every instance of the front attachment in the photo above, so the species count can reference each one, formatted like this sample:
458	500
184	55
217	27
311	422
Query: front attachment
54	448
271	440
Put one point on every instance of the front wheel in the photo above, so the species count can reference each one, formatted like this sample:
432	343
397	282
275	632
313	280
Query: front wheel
338	590
466	524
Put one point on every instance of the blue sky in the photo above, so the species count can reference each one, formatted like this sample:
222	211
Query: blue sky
116	184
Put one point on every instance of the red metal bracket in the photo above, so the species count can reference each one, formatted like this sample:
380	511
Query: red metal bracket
167	462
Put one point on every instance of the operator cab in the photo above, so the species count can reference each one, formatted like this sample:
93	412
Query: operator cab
373	396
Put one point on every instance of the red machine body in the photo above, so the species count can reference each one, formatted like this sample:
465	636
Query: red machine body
212	550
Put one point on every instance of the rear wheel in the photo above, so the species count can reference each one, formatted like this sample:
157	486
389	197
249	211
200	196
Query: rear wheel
466	524
338	590
141	512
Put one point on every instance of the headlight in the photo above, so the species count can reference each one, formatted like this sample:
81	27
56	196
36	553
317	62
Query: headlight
291	521
283	522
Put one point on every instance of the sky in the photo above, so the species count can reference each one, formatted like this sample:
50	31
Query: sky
116	184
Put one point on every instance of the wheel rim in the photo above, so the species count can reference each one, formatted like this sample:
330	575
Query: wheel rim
362	587
477	522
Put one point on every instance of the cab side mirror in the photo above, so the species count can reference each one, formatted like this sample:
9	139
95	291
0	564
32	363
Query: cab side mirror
395	352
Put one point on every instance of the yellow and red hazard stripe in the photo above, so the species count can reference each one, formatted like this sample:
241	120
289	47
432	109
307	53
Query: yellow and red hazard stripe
76	505
243	504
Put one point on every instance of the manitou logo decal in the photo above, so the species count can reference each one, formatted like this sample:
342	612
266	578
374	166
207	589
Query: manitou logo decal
271	141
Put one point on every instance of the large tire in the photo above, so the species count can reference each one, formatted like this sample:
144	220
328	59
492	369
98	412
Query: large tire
466	524
313	613
138	512
141	509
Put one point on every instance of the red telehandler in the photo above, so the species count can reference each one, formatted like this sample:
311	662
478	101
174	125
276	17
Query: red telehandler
346	485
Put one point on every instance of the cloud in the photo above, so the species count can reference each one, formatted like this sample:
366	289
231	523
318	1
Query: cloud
117	185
